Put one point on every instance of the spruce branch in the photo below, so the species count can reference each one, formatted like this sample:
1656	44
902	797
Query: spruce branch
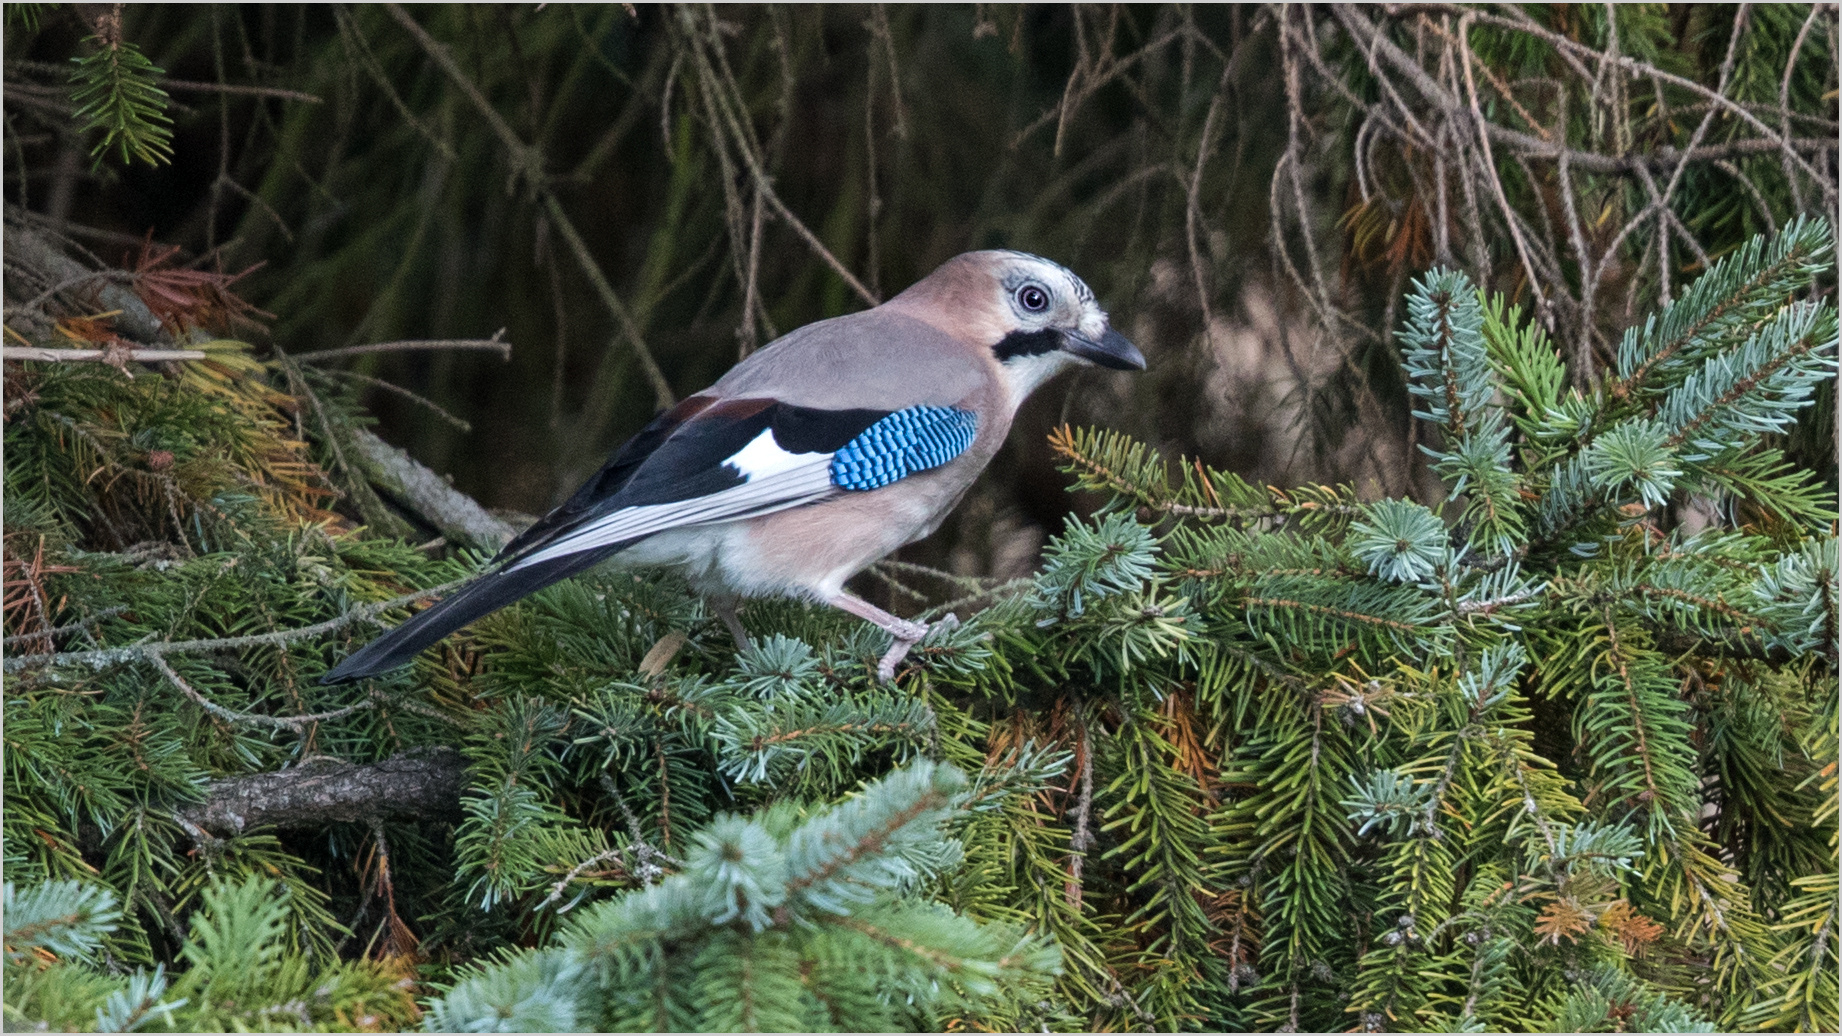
837	859
1445	347
1740	290
66	918
1755	389
115	91
100	658
1108	462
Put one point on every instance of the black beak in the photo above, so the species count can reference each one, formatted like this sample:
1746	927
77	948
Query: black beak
1112	350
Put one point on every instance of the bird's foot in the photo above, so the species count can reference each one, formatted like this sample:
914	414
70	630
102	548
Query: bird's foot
907	634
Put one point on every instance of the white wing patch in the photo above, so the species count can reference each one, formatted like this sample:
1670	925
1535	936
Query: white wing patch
777	480
763	457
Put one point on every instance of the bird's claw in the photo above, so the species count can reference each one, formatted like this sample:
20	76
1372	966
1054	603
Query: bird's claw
907	635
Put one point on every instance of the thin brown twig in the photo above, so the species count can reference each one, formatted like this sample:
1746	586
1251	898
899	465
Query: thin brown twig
459	423
879	27
1113	71
1752	191
1784	100
1192	213
355	42
1496	184
493	344
1526	24
183	85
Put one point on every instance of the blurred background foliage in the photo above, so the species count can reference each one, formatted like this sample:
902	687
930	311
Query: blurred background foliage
635	195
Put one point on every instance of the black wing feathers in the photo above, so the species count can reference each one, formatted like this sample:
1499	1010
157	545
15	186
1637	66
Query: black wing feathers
679	456
799	429
604	484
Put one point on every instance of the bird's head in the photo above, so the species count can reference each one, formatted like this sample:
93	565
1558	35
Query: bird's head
1035	316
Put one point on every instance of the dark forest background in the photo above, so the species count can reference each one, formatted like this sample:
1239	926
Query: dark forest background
624	189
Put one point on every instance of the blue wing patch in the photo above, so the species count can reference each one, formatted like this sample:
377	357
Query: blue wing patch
907	441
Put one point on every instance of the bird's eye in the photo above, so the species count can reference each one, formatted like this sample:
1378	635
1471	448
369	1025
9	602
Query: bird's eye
1033	298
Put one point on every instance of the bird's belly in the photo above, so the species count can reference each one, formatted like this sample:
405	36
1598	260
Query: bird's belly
805	552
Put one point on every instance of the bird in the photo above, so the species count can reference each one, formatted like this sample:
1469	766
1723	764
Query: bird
812	458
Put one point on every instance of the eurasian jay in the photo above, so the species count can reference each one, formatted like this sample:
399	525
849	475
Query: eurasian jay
814	457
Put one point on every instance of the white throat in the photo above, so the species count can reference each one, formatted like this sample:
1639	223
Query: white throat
1025	374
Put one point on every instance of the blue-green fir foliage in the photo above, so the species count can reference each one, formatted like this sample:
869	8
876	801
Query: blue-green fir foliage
788	921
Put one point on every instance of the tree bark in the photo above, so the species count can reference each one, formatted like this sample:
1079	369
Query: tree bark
28	247
428	495
420	784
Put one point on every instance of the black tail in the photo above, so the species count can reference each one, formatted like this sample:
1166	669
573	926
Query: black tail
482	597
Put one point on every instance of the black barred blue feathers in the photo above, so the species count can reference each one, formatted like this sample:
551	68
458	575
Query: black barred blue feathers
907	441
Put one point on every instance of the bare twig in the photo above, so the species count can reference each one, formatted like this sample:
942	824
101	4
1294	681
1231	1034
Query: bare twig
1193	205
1784	99
742	136
458	516
493	344
751	284
22	352
355	42
294	723
458	423
184	85
1496	184
1523	22
1080	840
69	283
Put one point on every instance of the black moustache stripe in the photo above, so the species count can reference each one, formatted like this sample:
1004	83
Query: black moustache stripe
1027	343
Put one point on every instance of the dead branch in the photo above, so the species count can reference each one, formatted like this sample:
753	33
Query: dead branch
455	514
493	344
184	85
27	247
419	785
27	352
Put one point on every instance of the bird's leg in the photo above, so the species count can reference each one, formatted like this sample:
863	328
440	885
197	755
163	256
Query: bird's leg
906	633
725	609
